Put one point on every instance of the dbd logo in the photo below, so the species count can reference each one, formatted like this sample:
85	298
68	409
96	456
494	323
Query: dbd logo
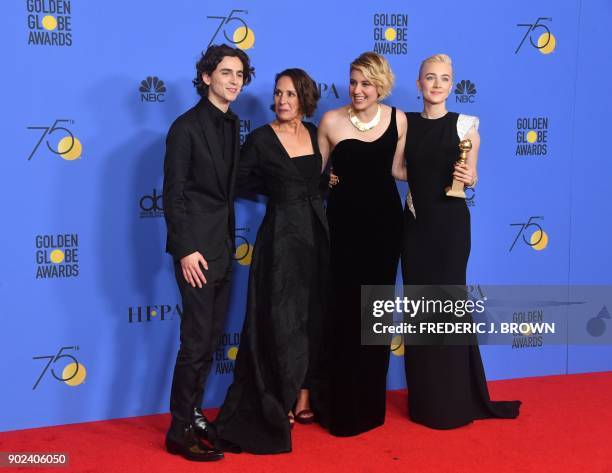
151	205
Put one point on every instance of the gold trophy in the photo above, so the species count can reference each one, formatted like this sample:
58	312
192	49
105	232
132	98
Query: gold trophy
457	188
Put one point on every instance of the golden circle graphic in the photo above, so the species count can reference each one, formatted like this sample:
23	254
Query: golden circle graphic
547	43
76	372
49	22
390	34
57	256
244	254
397	345
154	313
525	330
539	240
244	37
532	136
232	353
69	149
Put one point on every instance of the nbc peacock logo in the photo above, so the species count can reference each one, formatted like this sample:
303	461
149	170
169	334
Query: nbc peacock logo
465	92
152	89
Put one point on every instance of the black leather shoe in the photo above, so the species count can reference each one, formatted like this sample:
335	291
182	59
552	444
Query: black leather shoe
190	448
201	424
202	428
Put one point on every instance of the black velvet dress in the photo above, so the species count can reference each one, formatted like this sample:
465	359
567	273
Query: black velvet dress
283	336
447	387
365	220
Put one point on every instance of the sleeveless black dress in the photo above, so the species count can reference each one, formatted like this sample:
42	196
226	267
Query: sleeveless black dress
364	212
282	345
446	384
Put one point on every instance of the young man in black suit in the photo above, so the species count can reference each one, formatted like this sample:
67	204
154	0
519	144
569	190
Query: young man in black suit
202	149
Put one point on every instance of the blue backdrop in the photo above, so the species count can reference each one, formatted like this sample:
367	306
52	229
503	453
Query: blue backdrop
89	328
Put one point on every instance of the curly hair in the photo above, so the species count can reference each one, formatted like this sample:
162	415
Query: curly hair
306	88
211	58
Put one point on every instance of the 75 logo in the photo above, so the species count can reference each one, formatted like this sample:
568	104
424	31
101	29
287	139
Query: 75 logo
545	41
73	373
67	145
225	20
538	239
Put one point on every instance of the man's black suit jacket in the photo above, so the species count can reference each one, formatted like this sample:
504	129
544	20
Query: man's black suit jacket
198	190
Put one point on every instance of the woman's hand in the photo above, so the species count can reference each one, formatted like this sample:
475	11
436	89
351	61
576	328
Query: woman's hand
465	174
333	179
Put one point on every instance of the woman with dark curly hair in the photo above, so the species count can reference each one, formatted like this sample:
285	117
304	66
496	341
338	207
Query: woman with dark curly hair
282	346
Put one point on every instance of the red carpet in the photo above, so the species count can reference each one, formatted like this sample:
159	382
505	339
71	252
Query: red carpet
565	426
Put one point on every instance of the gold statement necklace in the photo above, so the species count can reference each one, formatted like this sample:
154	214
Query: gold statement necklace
361	126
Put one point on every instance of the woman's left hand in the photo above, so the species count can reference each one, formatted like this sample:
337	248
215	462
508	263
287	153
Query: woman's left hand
465	174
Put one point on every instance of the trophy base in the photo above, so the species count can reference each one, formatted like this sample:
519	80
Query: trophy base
450	192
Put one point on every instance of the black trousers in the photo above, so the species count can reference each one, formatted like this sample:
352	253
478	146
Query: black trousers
202	322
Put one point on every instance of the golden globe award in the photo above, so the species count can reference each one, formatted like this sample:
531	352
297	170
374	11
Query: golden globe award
457	188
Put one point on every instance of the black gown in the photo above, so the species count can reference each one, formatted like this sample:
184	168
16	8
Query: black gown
283	336
447	387
364	212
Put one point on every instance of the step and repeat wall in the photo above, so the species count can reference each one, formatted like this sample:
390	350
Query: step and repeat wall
89	326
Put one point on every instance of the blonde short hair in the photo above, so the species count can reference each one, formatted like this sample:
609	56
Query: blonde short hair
377	70
439	58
